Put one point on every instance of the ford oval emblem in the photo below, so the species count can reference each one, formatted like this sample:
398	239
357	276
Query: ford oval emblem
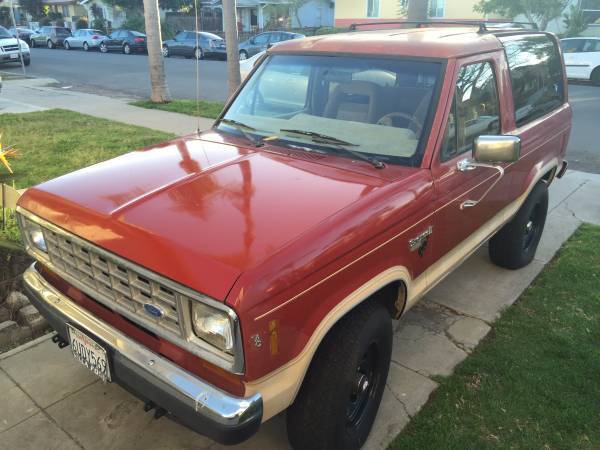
153	310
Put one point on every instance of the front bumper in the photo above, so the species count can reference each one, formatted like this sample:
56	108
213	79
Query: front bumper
188	399
7	58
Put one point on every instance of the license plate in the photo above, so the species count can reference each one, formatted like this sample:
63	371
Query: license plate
14	56
89	353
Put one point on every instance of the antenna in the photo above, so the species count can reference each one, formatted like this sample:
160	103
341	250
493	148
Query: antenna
197	57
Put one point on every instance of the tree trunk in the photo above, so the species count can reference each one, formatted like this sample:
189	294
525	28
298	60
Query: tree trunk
231	38
417	9
158	79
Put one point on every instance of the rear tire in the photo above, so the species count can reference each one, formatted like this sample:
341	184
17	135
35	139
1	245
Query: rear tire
127	49
514	246
243	55
595	78
342	390
103	48
67	46
86	47
50	44
198	53
165	52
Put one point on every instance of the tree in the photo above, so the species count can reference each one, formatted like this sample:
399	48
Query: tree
539	12
35	8
158	79
574	21
231	37
417	10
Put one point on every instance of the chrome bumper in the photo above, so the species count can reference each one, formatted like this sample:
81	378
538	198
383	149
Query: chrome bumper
197	404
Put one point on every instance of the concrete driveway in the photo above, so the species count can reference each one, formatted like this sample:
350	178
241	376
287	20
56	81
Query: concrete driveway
51	402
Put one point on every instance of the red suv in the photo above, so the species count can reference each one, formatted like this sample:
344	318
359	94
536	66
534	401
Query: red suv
256	267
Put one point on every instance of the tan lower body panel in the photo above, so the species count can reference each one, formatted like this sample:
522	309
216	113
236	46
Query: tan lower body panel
279	388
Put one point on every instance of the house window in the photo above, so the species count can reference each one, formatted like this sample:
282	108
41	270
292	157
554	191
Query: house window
372	8
436	9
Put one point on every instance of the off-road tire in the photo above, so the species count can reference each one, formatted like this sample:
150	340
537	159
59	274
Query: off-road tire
319	417
595	77
514	246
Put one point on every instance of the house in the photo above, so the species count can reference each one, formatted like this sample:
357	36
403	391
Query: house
73	10
114	15
70	10
314	14
253	15
348	12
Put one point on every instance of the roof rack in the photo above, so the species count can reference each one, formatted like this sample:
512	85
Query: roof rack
484	26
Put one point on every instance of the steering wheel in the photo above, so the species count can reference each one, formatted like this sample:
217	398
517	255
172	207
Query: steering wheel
388	121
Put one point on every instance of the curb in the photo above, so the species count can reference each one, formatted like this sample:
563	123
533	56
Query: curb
26	346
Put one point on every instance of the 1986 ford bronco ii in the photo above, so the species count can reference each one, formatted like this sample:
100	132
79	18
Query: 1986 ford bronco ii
227	276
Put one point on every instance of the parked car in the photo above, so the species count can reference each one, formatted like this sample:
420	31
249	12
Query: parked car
50	37
256	267
263	41
198	45
126	41
23	33
9	48
246	65
85	38
582	58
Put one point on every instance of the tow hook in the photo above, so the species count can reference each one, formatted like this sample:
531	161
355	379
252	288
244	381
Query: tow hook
158	412
57	339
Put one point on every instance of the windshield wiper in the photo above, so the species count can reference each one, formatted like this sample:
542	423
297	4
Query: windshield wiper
245	130
339	144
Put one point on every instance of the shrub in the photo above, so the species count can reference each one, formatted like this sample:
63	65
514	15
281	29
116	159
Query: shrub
135	23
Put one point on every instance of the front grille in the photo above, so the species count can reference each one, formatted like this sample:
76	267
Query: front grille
10	48
113	283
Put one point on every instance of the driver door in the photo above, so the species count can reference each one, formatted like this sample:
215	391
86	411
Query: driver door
475	110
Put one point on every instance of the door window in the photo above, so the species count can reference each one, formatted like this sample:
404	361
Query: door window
571	45
475	109
261	39
180	36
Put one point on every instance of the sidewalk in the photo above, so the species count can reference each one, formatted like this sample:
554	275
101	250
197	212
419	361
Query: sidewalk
51	402
37	94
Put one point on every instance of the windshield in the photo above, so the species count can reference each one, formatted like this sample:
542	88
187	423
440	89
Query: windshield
379	106
4	33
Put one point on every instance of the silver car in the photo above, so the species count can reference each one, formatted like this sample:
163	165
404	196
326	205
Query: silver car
85	38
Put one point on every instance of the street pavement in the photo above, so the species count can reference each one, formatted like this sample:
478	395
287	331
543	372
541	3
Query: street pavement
51	402
116	74
583	151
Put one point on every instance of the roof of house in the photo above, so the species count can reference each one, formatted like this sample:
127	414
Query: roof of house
437	42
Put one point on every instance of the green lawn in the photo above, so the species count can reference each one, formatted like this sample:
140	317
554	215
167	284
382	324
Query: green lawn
534	383
189	107
55	142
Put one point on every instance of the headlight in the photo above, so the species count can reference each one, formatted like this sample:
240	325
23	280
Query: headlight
32	234
213	326
24	45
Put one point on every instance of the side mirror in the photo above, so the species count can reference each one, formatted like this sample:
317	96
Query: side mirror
497	149
269	45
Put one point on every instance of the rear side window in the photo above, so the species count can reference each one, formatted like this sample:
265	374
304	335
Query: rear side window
591	46
536	74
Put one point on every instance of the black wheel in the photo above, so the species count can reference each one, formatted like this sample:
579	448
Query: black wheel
67	45
198	53
127	49
86	47
514	246
165	51
50	44
595	78
340	396
27	61
103	47
243	55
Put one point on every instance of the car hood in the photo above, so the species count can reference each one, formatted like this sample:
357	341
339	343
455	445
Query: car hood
200	212
8	41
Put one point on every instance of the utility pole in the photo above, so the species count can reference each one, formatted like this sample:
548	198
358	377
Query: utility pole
417	10
158	79
231	39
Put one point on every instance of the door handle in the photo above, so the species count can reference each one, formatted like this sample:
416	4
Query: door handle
467	164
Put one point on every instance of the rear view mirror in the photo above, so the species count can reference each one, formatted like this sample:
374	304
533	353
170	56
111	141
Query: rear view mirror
497	149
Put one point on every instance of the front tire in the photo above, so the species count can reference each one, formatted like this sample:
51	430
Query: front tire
165	52
50	44
27	61
103	48
514	246
595	77
86	47
342	390
67	46
127	49
198	53
243	55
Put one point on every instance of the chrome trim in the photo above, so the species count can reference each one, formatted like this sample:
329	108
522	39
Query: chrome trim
188	340
206	399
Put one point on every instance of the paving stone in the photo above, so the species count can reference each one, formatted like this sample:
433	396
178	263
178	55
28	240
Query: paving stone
27	315
47	373
481	289
36	433
426	352
16	406
16	300
467	332
391	419
409	387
